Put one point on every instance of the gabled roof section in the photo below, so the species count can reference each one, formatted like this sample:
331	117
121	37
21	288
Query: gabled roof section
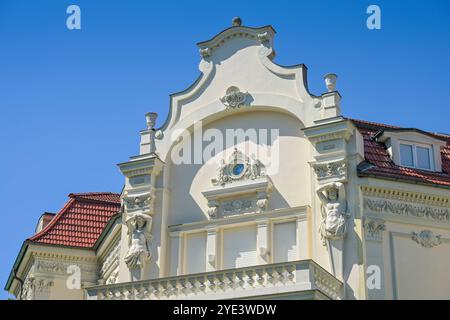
378	162
81	221
238	58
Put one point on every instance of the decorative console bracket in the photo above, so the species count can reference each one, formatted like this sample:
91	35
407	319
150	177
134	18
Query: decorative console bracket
241	186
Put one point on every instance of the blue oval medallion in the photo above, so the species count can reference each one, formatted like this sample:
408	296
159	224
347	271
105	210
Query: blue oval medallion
238	168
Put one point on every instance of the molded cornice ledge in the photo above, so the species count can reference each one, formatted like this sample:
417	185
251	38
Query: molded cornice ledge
329	129
239	188
139	165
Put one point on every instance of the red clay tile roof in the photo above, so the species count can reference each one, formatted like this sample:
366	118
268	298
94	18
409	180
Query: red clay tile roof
81	221
379	164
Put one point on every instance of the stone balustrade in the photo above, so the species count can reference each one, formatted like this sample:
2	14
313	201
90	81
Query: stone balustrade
270	280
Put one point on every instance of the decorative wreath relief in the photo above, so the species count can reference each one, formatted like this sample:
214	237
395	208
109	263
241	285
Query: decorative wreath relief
233	98
427	239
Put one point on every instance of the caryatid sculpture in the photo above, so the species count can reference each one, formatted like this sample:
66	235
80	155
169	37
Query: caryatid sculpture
334	215
139	240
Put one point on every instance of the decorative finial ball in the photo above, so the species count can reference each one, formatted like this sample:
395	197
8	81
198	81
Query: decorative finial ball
236	22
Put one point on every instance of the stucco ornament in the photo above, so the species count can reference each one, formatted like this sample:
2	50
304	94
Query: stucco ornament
427	239
234	98
27	289
374	228
330	169
139	240
205	52
142	202
334	215
238	167
263	37
213	208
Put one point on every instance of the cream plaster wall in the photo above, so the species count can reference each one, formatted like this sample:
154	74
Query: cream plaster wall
408	269
188	181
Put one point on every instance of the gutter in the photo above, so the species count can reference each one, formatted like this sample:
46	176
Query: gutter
17	262
20	281
362	174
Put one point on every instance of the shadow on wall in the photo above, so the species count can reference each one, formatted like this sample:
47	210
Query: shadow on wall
354	251
291	186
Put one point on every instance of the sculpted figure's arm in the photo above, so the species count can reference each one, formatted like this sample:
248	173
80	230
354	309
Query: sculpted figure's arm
130	228
342	196
341	189
320	193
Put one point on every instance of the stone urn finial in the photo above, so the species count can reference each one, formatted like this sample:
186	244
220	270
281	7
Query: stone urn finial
236	22
150	117
330	81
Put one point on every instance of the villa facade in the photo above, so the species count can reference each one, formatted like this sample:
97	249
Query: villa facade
254	188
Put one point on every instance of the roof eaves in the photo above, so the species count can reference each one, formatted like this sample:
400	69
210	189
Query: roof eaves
106	230
382	176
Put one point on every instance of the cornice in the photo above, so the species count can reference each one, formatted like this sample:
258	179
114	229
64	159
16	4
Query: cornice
63	257
261	34
406	196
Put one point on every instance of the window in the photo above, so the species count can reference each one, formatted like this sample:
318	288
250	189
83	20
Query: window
423	157
417	156
406	155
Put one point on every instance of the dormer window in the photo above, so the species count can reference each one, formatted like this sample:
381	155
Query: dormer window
413	148
416	155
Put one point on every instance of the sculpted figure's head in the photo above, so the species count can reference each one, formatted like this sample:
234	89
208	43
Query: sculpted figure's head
140	222
332	194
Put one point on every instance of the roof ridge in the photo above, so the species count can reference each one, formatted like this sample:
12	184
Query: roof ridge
373	125
55	219
91	193
94	197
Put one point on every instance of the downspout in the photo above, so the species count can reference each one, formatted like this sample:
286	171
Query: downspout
21	283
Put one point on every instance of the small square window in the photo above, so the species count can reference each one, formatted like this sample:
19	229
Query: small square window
406	155
423	158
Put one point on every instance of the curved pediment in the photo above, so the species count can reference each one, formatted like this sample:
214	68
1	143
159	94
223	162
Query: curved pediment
237	70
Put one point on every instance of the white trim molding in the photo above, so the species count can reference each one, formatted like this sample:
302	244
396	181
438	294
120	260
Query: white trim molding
405	203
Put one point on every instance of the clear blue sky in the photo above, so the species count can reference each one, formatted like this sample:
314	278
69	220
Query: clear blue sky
72	102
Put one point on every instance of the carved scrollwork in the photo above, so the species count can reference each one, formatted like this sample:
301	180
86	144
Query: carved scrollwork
262	201
35	288
213	208
113	277
139	202
238	167
427	238
237	206
263	37
374	228
330	169
28	289
205	52
407	209
234	98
